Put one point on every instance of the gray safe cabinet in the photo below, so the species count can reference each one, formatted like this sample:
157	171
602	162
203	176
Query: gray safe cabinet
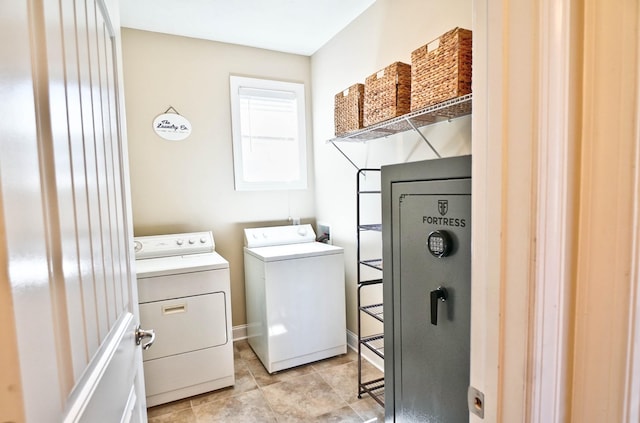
426	230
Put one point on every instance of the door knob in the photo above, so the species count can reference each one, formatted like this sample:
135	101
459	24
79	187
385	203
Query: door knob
440	294
141	334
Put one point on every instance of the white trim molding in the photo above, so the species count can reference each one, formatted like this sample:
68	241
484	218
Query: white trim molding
239	332
632	394
555	215
504	186
554	161
603	282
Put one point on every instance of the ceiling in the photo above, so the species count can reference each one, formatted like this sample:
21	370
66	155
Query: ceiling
291	26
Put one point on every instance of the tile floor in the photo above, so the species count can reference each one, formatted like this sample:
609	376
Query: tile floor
324	391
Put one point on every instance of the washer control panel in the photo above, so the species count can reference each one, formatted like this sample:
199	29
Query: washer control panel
173	245
278	235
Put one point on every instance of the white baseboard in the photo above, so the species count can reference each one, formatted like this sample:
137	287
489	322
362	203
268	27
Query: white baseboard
240	332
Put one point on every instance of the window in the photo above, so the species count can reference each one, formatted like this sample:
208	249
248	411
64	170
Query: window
269	134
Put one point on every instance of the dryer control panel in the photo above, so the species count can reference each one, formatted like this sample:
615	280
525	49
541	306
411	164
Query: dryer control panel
173	245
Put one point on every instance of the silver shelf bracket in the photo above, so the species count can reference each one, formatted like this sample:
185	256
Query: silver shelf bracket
424	138
345	156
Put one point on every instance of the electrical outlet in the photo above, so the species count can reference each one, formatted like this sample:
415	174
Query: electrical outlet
323	233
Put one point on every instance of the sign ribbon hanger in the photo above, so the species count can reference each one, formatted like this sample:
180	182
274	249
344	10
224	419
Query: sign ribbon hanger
171	108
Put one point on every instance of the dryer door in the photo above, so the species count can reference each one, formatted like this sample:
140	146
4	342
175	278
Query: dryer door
185	324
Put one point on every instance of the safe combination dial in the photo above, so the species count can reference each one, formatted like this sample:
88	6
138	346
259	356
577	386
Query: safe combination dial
439	243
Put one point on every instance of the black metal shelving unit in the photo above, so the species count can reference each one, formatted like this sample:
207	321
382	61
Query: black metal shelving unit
447	110
374	342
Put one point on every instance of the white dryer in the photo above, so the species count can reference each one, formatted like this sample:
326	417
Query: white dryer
295	296
184	295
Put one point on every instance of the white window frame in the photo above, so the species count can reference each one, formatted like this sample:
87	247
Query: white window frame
239	162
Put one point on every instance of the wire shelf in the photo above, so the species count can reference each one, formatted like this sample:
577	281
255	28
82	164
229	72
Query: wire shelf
447	110
375	263
374	310
374	388
375	343
371	227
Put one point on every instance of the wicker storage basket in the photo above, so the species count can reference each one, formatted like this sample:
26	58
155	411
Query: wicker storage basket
387	93
441	69
348	111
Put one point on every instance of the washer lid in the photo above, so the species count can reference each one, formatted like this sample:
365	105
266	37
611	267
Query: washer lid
278	235
161	266
293	251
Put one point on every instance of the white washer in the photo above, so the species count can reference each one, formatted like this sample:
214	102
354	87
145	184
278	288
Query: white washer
295	296
184	295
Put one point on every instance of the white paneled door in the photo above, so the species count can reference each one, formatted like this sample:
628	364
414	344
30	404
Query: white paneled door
68	293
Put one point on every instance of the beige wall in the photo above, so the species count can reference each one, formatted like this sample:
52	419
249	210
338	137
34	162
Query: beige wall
184	186
387	32
188	185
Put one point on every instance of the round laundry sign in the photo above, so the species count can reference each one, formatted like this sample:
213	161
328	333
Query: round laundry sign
172	126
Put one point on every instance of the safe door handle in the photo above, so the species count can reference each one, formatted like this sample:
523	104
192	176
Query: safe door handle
141	334
440	294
